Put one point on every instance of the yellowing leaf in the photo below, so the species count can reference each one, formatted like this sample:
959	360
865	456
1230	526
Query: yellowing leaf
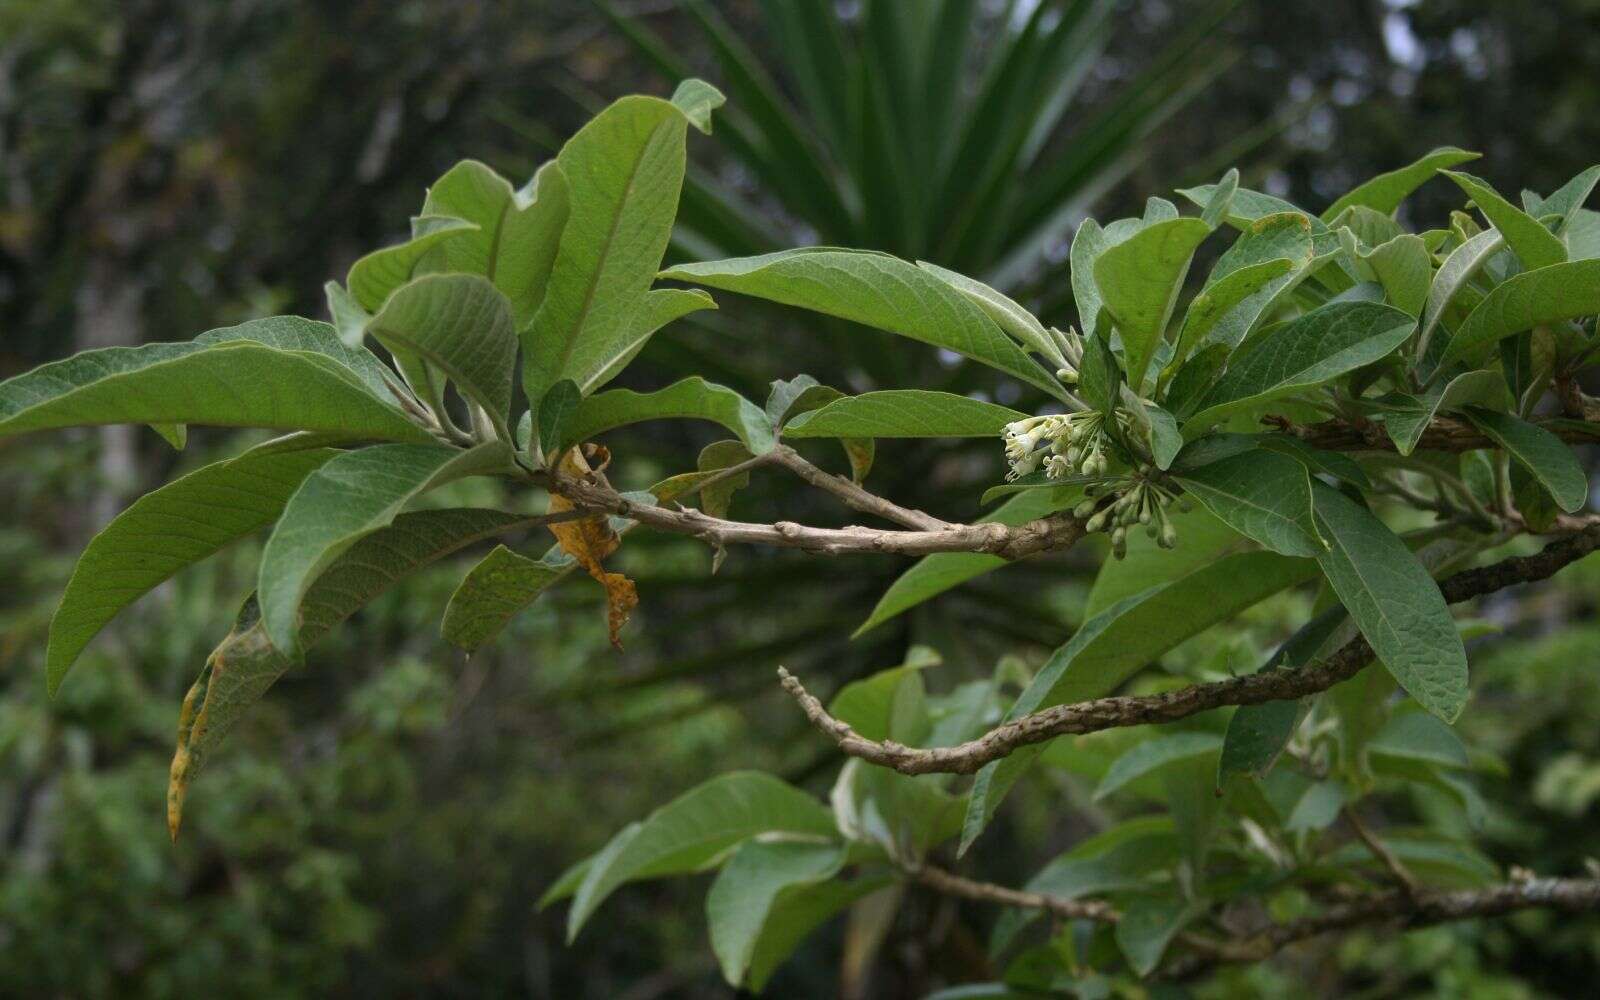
589	541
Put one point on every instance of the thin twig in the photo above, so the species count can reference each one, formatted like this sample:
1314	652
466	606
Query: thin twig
1380	850
853	495
1133	710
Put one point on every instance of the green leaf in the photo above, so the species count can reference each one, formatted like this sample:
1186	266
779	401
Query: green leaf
800	910
1543	454
1421	737
1332	463
555	410
692	397
246	664
518	232
1202	539
1226	310
374	276
1458	269
697	99
459	324
1006	313
355	494
694	829
1405	269
625	169
1257	734
1148	925
165	531
1165	439
1406	422
238	382
747	892
1088	243
904	413
1394	601
876	290
1128	635
1533	244
1319	346
496	591
1216	208
661	306
1099	378
1262	495
1317	808
1568	199
1151	755
891	704
1248	206
1369	227
935	574
1385	192
1139	281
1527	300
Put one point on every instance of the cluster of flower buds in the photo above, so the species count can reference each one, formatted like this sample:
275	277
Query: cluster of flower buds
1139	501
1067	444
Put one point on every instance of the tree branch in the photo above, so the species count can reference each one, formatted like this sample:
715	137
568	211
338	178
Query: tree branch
1443	434
852	494
1133	710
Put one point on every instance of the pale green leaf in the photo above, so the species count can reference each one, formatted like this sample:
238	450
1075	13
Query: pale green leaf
697	99
1006	312
1543	454
1385	192
1394	601
1148	925
660	307
1139	281
1405	269
1411	415
1421	737
1533	244
379	273
904	413
1547	295
1088	244
746	894
1463	264
694	829
1317	808
693	398
355	494
555	409
1151	755
1225	311
1263	495
165	531
876	290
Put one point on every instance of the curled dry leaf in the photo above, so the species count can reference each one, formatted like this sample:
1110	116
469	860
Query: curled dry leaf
591	540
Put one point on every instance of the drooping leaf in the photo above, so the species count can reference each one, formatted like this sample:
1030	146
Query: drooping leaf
1005	311
230	383
352	495
1533	244
624	170
799	910
1543	454
694	829
1248	206
461	325
876	290
935	574
693	398
1385	192
168	529
1263	495
589	541
246	663
1139	281
1394	601
1318	807
903	413
661	306
1421	737
1411	415
1099	378
747	892
496	591
1547	295
1333	463
1321	345
1165	438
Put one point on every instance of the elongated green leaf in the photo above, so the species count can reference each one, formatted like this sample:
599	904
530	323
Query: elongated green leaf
1543	454
1263	495
1332	463
877	290
173	527
555	409
246	664
1533	244
1247	206
1405	269
1151	755
901	413
1394	601
374	276
695	828
1148	925
1421	737
1006	312
355	494
496	591
661	306
1568	199
1321	345
1130	634
1088	243
692	397
1548	295
1257	734
1225	311
1202	537
230	385
625	169
747	893
935	574
1463	264
1385	192
1139	281
459	324
1411	415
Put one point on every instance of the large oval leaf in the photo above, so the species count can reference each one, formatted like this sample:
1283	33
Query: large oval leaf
692	397
877	290
904	413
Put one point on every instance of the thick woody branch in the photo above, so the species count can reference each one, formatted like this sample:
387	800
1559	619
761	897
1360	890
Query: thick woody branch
1058	531
1443	434
1133	710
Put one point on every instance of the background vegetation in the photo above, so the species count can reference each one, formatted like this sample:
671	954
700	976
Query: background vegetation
385	821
